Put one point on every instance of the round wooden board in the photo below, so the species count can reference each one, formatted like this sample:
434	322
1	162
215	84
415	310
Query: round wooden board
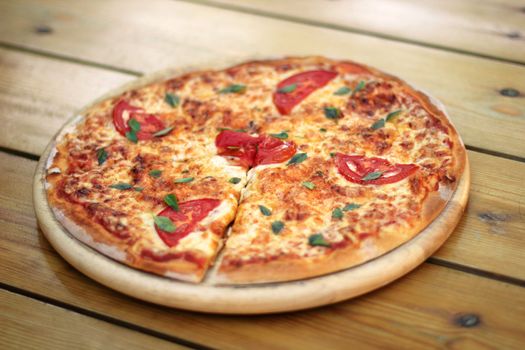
243	299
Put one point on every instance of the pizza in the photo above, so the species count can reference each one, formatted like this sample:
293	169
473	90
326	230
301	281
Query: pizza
267	171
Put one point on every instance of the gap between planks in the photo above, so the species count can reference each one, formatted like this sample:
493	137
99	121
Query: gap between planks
102	317
313	23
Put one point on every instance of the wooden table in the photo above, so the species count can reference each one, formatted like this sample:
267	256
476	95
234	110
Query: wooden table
56	56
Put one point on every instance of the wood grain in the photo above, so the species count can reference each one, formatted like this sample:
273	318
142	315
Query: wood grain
110	33
37	94
26	323
421	309
493	28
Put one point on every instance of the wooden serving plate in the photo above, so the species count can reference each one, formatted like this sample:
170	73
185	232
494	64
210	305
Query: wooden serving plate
242	299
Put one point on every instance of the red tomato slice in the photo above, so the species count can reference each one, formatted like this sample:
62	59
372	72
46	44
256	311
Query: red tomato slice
272	150
186	219
253	150
238	144
149	123
306	83
355	168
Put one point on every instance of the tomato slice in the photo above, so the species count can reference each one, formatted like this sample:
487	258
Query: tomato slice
253	150
186	219
356	168
306	83
149	123
272	150
239	145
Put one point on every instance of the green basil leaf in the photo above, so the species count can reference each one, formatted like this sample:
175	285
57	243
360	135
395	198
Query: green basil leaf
378	125
164	131
184	180
322	130
288	88
392	115
172	100
234	180
132	136
265	211
164	223
318	240
359	87
121	186
332	113
282	135
172	201
342	91
155	173
102	155
230	129
297	158
277	227
351	206
309	185
337	213
134	125
372	176
332	154
234	88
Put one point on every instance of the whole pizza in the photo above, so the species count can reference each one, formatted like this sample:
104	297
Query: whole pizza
267	171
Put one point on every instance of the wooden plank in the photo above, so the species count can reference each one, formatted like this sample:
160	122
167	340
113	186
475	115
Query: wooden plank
26	323
491	234
38	94
421	309
493	28
119	33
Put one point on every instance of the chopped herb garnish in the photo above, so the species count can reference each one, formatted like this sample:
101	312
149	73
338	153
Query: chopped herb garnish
309	185
102	155
318	240
138	189
297	158
342	91
164	223
134	125
155	173
392	115
351	206
359	87
332	113
277	227
288	88
184	180
172	201
322	130
121	186
337	213
265	211
378	125
132	136
372	176
282	135
230	129
235	180
332	154
163	131
172	100
234	88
